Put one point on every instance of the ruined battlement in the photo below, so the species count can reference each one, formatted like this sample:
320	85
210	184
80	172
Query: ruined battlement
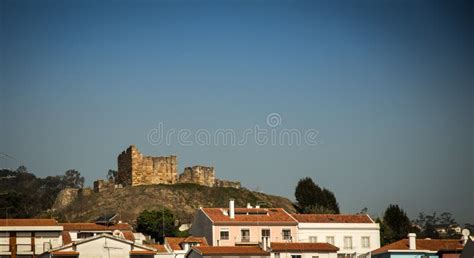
136	169
201	175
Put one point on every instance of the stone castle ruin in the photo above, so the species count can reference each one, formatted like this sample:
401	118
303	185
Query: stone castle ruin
136	169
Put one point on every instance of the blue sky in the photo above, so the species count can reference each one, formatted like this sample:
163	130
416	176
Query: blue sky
387	84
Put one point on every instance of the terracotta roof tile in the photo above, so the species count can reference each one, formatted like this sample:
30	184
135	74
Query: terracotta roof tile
66	237
422	244
64	253
194	239
27	222
159	248
302	247
230	250
173	242
250	215
333	218
93	226
128	235
140	252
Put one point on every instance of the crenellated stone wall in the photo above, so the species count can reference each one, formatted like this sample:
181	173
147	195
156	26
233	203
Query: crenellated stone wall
201	175
226	183
136	169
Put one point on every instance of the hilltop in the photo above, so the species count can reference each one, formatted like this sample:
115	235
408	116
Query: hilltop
181	199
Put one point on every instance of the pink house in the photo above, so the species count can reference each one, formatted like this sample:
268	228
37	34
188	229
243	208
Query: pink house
232	226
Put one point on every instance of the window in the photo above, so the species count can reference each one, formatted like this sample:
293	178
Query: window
277	255
245	235
286	234
224	234
265	234
85	234
296	256
313	239
330	240
365	242
347	242
314	256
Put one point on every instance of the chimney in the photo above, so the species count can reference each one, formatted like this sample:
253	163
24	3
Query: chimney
264	244
412	241
257	206
231	209
249	206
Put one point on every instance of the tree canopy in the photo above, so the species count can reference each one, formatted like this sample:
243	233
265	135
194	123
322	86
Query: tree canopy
313	199
157	224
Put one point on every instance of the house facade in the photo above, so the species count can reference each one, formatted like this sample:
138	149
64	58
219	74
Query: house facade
232	226
104	245
354	235
420	248
302	250
28	238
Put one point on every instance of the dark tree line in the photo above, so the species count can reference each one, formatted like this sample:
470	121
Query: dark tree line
23	195
313	199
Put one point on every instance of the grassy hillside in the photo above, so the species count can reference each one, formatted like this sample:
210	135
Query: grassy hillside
182	199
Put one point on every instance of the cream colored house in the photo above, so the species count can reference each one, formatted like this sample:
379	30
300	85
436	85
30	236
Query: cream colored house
103	246
28	237
354	235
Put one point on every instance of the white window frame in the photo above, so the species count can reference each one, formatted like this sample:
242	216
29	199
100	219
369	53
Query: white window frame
224	230
330	242
351	243
283	234
313	239
363	243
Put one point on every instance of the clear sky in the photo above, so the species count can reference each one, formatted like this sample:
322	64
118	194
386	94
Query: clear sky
387	84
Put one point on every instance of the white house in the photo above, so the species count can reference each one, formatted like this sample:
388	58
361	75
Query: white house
104	245
302	250
28	237
354	235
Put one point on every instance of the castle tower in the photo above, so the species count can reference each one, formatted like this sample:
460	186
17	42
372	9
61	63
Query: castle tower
136	169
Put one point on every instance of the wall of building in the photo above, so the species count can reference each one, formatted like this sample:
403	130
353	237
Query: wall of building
306	255
339	231
276	233
202	226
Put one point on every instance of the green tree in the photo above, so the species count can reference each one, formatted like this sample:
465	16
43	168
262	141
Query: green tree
73	179
157	224
397	220
112	175
312	199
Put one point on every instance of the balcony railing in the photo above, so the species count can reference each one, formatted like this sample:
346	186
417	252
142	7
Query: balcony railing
245	239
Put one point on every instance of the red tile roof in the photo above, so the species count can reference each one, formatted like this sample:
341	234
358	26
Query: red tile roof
174	242
94	227
64	253
333	218
194	239
423	244
159	248
66	237
141	252
27	222
230	250
250	216
302	247
128	235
